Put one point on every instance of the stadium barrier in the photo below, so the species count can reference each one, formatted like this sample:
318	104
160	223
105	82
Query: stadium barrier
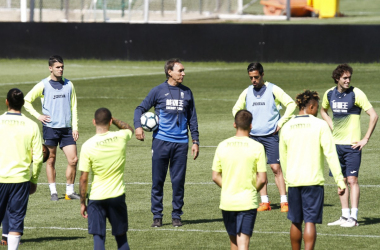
192	42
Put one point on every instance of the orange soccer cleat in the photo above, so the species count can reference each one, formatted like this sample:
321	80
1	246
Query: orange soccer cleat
284	207
264	206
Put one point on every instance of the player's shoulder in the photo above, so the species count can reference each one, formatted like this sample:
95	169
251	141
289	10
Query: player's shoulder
357	91
330	90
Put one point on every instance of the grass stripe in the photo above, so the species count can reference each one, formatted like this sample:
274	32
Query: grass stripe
204	231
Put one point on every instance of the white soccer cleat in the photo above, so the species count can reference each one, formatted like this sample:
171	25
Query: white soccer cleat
339	222
351	222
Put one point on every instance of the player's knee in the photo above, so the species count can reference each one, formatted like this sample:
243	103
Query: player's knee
73	161
276	169
352	181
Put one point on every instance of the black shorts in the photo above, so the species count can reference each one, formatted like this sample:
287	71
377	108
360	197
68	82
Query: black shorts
239	221
271	146
14	201
349	159
55	136
306	204
115	209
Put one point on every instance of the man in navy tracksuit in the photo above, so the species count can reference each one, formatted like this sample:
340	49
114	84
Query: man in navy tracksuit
174	105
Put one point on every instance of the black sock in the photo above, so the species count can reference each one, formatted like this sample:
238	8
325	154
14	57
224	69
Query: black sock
122	243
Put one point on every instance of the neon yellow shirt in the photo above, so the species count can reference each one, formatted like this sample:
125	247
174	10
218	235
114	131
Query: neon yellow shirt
346	108
20	143
281	98
104	155
239	159
304	140
37	92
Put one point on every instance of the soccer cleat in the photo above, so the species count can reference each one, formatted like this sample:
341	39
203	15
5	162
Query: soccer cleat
284	207
54	197
351	222
338	222
176	222
73	196
264	206
157	222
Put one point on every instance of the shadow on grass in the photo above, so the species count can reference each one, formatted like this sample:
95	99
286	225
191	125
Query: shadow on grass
369	221
188	222
51	239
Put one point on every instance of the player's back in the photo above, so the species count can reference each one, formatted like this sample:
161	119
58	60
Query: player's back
17	133
240	159
303	136
105	154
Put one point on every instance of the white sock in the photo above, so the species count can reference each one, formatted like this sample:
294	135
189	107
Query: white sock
69	189
346	213
354	213
13	241
264	199
53	189
284	198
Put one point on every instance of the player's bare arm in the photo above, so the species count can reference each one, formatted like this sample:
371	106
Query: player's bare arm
75	135
121	125
140	134
341	191
195	151
326	117
373	117
33	188
83	182
44	119
217	178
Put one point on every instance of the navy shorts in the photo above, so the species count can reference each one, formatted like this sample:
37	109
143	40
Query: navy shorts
270	143
306	204
349	159
239	221
115	209
53	136
14	201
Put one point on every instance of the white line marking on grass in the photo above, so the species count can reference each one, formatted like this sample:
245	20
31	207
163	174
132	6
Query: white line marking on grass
202	231
207	183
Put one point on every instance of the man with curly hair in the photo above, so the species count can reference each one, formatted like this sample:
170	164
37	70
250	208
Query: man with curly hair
346	103
303	142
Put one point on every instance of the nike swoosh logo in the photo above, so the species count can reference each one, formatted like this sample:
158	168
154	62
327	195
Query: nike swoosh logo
352	172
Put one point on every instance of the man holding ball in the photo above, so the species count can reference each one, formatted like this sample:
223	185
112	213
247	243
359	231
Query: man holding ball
174	105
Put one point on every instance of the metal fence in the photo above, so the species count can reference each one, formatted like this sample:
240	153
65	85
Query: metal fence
114	10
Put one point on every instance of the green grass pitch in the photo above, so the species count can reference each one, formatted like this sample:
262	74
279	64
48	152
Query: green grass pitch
121	86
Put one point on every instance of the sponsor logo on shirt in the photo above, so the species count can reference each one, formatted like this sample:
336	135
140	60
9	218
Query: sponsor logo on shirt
106	141
300	126
339	107
13	122
258	104
182	95
59	96
174	104
237	144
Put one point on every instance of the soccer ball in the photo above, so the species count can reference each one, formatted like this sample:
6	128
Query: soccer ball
149	121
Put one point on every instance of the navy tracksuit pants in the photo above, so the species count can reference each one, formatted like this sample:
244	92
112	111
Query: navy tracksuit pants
166	153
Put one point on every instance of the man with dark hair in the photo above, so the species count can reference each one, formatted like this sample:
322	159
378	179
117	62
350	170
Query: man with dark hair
239	168
346	103
104	155
304	140
174	105
263	100
60	123
20	144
